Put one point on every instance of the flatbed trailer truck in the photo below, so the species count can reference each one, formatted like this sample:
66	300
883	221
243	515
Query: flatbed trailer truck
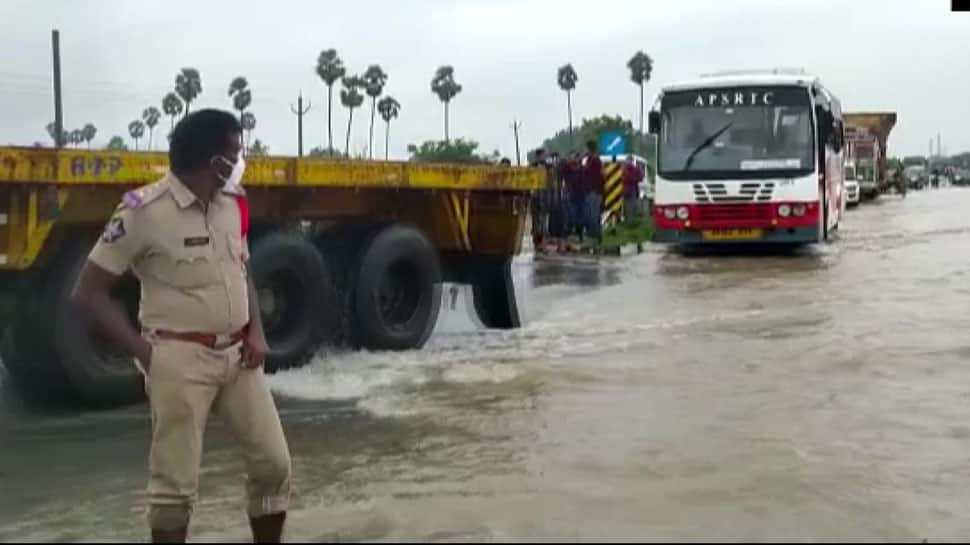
343	253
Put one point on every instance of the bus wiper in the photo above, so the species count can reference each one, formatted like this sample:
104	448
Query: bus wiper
705	144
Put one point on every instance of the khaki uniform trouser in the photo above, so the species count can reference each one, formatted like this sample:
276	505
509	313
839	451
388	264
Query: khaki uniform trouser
186	381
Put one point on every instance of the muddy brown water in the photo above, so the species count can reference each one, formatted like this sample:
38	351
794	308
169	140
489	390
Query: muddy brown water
815	396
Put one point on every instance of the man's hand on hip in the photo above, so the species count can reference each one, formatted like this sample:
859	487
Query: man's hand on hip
254	349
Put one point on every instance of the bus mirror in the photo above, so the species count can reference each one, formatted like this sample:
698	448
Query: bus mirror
824	118
653	122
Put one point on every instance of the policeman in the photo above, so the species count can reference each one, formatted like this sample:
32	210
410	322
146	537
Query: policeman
202	346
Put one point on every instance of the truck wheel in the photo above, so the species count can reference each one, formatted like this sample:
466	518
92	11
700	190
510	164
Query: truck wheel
35	379
99	373
397	294
296	298
493	293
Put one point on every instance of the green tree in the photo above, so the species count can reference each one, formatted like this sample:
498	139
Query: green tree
330	69
116	143
442	151
65	138
136	129
444	85
172	106
88	133
188	86
151	116
374	81
248	123
641	66
76	137
389	108
241	95
319	152
567	78
258	148
351	98
591	129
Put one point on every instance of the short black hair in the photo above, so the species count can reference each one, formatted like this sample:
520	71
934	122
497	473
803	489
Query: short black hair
591	145
199	136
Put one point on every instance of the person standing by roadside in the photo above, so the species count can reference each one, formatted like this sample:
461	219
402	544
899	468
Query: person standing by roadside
541	199
571	175
203	344
632	176
593	190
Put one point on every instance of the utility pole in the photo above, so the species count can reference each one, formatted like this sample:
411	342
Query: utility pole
515	129
58	112
300	111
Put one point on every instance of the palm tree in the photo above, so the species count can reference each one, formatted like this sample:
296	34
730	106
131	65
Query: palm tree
65	138
75	137
51	129
389	108
172	106
444	85
374	81
567	79
188	86
150	116
640	65
88	133
136	129
248	122
330	69
351	98
241	95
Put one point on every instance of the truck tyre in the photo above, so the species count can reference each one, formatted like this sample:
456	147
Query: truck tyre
397	295
341	246
35	379
296	298
98	373
493	293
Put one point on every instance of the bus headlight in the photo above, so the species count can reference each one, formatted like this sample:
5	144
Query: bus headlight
670	213
784	210
799	210
683	213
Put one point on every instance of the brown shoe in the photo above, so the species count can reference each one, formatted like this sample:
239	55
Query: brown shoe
268	529
170	536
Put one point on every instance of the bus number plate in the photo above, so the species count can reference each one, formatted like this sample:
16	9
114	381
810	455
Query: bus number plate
732	234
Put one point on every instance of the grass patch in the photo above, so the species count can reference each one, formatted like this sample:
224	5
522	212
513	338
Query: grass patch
634	232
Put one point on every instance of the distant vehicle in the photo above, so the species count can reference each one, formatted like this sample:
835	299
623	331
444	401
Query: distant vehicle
866	136
753	157
852	186
916	176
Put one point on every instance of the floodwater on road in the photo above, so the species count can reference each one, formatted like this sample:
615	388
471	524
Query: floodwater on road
819	395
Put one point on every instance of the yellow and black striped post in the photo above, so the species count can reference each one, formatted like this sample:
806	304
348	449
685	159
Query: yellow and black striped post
613	192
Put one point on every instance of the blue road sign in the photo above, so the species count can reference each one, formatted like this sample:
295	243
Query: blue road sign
612	143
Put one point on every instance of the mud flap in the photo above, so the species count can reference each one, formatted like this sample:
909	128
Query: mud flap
494	295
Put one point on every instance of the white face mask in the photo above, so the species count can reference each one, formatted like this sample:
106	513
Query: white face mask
236	175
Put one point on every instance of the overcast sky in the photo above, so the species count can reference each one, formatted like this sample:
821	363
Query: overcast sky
120	56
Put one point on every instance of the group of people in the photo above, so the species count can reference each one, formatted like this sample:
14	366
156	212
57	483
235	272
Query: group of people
571	203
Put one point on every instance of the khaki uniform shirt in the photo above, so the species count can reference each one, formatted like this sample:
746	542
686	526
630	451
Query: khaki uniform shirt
190	261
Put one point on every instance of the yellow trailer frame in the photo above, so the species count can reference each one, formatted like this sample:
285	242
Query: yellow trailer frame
54	203
471	209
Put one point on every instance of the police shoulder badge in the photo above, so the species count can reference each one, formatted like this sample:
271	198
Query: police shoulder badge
114	230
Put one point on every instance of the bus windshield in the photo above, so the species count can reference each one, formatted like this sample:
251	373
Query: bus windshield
748	132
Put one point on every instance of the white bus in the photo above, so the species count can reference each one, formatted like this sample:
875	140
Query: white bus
752	157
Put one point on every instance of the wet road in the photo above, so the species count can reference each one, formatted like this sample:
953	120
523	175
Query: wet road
822	395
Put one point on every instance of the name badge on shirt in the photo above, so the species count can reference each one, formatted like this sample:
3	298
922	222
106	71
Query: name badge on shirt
196	241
